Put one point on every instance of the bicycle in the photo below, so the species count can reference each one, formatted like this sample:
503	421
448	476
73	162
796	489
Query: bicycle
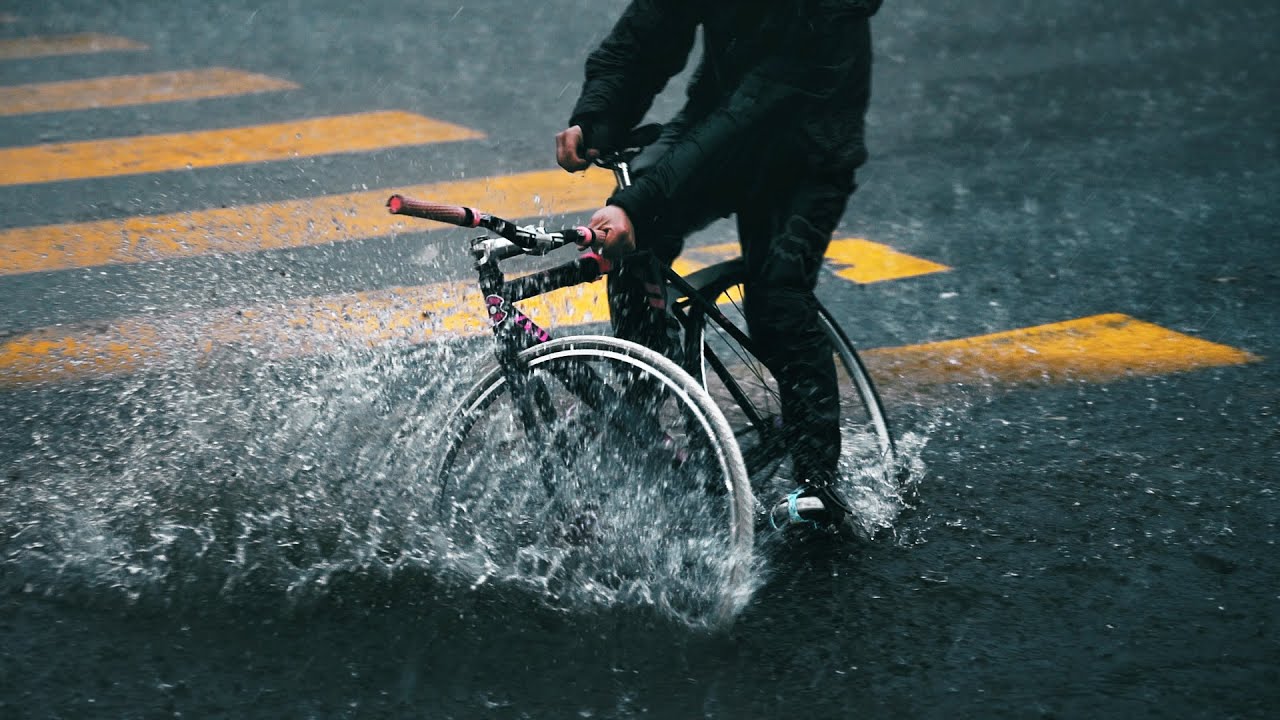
707	433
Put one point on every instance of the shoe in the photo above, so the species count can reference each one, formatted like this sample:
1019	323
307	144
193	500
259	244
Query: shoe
808	506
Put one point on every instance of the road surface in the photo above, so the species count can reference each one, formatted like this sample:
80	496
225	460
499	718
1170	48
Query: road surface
1061	266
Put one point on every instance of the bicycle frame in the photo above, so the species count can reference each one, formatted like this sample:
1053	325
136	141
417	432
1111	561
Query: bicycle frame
515	331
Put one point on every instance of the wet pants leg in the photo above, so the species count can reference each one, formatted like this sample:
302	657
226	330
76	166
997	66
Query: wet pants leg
785	237
786	216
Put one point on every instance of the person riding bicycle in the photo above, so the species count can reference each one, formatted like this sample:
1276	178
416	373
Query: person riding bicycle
772	131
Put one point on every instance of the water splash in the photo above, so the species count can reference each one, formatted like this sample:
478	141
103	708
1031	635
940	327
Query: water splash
238	481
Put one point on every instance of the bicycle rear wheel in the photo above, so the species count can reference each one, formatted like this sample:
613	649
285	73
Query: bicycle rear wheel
748	394
599	471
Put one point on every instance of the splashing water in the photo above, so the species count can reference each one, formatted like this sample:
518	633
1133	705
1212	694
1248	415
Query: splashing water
244	482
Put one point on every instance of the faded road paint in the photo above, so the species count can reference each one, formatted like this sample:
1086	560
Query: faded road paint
294	223
856	260
123	90
1095	348
865	262
43	46
232	146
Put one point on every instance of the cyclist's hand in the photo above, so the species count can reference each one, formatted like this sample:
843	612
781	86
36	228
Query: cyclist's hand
613	228
571	150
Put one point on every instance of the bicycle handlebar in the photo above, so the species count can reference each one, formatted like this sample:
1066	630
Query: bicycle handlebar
534	241
452	214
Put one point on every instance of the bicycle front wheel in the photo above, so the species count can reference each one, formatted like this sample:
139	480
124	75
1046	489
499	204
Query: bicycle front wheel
598	470
748	393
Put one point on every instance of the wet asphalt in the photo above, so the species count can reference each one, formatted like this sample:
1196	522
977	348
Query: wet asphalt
1074	549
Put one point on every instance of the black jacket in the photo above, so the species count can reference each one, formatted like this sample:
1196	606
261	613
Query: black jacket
776	77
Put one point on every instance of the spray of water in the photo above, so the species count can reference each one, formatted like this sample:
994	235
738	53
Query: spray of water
239	481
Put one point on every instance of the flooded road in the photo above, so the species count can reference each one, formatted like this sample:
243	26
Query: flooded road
1060	267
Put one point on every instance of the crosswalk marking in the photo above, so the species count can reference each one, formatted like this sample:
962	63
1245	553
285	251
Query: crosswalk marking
301	327
853	259
865	262
1095	348
125	90
584	304
293	223
306	326
453	308
210	148
43	46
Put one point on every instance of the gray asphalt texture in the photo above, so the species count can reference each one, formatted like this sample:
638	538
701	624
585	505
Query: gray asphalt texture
1078	550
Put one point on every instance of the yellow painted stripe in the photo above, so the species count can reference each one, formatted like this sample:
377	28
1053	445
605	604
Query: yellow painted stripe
43	46
209	148
585	304
294	223
303	327
853	259
134	90
863	261
1096	348
308	326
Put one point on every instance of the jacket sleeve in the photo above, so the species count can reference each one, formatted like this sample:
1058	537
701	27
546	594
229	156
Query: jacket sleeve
823	58
649	44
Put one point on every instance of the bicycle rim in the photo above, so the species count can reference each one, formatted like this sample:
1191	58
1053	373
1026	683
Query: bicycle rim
618	483
751	403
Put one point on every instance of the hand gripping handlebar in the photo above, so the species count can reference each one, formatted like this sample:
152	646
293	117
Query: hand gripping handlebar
532	240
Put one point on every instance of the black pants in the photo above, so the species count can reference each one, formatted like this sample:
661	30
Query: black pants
785	217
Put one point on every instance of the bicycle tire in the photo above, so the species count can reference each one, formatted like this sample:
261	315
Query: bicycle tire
480	464
868	447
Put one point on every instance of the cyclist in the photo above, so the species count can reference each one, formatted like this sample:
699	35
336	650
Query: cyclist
772	131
